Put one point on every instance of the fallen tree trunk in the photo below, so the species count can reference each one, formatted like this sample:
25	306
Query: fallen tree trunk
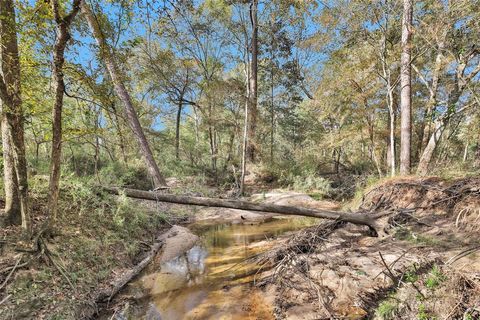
356	218
108	294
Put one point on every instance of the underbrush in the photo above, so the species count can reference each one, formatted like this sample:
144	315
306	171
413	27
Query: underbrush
308	182
133	176
439	293
97	236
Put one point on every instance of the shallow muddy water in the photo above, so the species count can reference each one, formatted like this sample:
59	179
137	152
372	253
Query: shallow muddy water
212	280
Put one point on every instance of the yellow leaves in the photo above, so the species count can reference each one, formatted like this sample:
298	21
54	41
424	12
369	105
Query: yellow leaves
328	18
218	8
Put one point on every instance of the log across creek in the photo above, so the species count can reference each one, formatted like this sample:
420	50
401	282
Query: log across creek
355	218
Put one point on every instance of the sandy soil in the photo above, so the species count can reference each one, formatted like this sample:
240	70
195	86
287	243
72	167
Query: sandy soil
344	273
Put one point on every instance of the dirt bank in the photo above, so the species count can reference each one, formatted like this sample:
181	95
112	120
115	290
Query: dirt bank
427	266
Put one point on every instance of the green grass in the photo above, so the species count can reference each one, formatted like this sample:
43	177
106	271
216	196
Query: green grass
387	309
435	278
405	234
423	313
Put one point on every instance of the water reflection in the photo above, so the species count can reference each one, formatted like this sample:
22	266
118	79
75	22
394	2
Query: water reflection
211	280
185	270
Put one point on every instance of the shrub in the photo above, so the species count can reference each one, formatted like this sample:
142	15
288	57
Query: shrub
134	176
387	310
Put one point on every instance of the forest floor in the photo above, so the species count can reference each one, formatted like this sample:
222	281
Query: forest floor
425	266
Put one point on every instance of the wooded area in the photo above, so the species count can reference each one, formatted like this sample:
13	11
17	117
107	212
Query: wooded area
240	96
217	89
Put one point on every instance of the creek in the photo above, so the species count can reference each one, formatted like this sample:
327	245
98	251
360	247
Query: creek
213	280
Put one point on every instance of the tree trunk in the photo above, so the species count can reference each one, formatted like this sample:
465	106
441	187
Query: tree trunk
177	128
439	127
426	124
63	35
12	213
272	105
387	76
12	131
108	56
405	90
244	149
253	85
465	151
356	218
427	154
392	138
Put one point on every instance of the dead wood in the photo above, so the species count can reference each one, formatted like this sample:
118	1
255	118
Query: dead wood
355	218
11	272
108	294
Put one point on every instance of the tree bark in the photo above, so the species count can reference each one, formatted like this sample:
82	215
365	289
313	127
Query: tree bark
109	59
392	131
244	149
389	86
461	81
253	85
12	114
177	128
432	86
405	91
427	154
62	30
361	219
439	127
12	214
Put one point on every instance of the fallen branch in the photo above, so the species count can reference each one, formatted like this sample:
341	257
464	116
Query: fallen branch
355	218
107	295
5	299
11	272
59	267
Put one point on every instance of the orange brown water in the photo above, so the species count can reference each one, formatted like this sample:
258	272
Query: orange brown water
212	280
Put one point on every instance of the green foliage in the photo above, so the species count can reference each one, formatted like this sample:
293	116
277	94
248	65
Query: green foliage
424	314
134	175
402	233
411	275
468	316
310	183
387	309
435	278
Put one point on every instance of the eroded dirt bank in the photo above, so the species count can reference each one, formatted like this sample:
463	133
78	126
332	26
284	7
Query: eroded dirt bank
426	267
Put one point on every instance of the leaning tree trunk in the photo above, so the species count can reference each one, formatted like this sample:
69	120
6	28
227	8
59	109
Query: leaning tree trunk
427	154
63	35
108	56
12	130
405	90
439	127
